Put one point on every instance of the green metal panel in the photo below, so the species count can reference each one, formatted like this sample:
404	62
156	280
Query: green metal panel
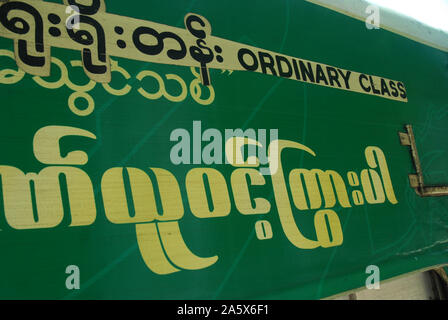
133	131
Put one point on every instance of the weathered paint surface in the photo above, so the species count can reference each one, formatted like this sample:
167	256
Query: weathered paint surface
339	201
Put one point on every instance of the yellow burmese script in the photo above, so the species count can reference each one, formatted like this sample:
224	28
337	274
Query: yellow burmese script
159	237
199	93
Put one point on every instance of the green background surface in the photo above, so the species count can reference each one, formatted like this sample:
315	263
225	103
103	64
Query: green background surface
338	125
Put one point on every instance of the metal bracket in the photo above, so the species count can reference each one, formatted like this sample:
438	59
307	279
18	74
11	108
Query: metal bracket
416	180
